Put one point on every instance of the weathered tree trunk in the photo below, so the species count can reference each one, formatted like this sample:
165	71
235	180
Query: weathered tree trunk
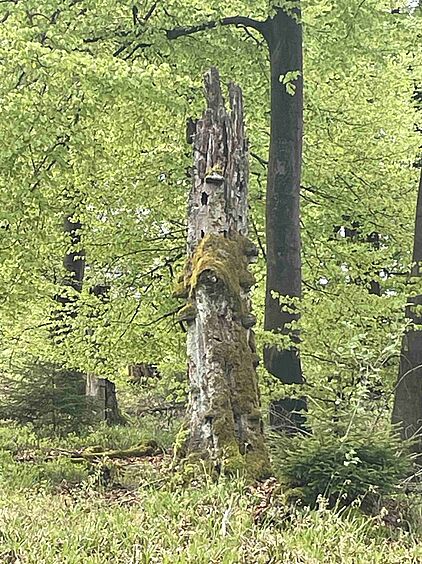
283	33
102	393
407	410
224	408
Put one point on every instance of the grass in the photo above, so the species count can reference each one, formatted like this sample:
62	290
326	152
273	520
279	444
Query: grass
59	512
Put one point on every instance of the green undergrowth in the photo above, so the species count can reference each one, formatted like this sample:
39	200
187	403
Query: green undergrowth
15	438
31	461
212	524
368	463
58	512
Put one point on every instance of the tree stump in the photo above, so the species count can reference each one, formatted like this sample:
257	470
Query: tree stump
102	395
225	422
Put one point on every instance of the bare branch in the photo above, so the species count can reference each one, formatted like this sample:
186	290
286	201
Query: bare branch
150	11
260	243
261	161
177	406
238	21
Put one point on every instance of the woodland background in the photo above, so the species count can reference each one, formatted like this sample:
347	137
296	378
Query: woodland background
94	100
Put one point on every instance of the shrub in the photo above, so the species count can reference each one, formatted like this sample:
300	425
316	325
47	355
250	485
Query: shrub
49	397
362	463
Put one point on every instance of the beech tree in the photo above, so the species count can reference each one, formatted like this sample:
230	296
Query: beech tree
100	393
407	411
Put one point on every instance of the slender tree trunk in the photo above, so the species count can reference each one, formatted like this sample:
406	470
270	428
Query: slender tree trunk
407	410
69	384
224	409
71	284
284	36
100	392
74	260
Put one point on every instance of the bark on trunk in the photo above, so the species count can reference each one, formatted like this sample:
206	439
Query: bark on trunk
284	36
102	393
407	410
224	408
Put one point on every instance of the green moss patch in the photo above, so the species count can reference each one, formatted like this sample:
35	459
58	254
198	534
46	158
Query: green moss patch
227	259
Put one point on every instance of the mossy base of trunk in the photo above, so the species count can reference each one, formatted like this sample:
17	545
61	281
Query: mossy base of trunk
254	464
194	466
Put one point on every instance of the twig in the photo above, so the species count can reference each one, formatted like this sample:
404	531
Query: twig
261	245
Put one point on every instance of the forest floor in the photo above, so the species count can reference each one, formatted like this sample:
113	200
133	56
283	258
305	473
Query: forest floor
53	510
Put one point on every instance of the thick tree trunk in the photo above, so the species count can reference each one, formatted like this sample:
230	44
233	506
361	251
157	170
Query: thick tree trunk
407	410
224	409
284	36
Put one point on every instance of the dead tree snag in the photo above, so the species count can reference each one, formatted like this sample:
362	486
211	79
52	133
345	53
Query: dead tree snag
224	410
